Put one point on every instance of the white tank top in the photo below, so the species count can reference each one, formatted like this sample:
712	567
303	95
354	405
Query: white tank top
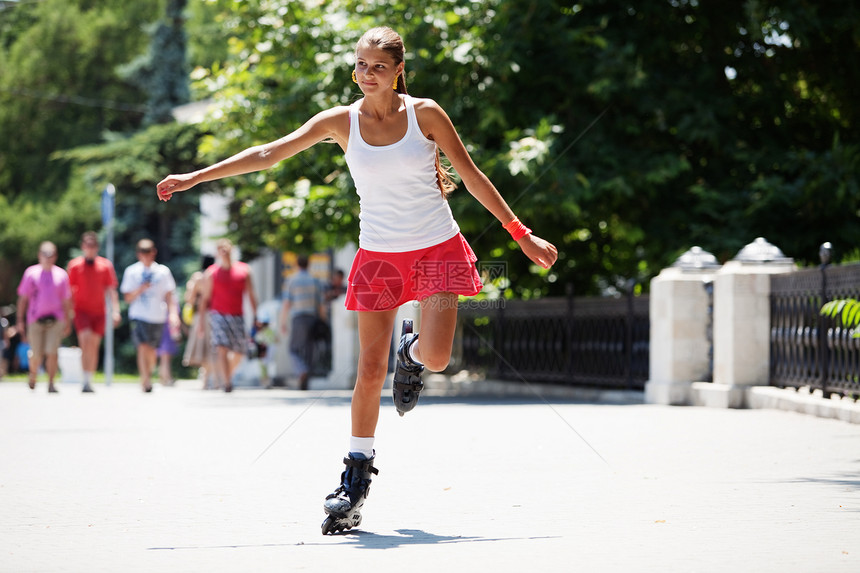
401	206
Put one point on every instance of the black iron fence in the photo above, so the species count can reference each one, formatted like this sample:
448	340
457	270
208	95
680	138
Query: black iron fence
808	349
573	341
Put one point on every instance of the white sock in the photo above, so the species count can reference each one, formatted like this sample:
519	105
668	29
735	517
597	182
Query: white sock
88	377
410	352
363	446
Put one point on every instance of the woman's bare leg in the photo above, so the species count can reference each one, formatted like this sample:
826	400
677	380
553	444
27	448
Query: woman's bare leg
438	325
374	336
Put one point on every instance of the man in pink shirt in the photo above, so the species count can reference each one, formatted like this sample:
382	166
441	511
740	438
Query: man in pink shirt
44	315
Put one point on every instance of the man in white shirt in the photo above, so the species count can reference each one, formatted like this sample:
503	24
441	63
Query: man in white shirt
150	291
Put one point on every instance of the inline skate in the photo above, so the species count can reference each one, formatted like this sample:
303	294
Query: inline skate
407	373
343	506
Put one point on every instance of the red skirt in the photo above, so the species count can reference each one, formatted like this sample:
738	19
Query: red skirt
384	281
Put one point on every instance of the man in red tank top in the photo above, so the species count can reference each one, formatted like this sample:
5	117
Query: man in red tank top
226	283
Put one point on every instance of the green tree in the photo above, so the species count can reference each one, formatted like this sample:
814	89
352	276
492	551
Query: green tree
162	72
66	81
624	132
25	224
133	164
58	89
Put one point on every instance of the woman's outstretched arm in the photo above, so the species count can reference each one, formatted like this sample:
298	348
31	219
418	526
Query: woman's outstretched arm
438	126
327	124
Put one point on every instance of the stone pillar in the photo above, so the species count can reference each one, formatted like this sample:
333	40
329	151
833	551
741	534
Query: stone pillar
742	325
344	332
679	315
344	347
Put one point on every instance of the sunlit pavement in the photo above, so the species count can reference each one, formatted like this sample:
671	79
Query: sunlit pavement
187	480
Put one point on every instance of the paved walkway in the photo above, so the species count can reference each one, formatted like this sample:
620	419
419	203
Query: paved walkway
186	480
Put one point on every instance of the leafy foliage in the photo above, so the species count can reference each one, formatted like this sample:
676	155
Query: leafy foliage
25	224
625	133
162	72
59	88
846	311
134	164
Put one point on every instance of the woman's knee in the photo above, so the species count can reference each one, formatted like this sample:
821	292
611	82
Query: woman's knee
435	360
372	371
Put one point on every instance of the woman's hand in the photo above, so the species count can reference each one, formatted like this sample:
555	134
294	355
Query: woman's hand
174	184
538	250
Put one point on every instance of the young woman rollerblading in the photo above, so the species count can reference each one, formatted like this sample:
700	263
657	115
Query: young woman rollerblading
391	143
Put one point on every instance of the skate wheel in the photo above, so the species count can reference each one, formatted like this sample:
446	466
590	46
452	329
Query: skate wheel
328	525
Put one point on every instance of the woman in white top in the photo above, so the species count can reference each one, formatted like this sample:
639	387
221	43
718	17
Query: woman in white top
410	247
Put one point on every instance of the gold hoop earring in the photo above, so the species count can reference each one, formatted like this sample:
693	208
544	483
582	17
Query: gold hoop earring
353	77
394	86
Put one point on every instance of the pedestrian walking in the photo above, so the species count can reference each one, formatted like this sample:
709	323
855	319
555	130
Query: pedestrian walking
94	294
410	246
44	315
167	348
198	347
302	308
225	285
336	287
150	291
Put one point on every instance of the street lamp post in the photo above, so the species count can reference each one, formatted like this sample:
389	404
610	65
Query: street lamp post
108	207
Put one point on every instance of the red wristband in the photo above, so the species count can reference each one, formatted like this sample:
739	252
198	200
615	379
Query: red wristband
516	229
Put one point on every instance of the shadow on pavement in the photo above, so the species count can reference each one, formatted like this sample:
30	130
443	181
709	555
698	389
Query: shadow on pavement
331	399
847	482
369	540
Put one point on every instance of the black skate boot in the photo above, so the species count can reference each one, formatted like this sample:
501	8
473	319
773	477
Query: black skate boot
343	506
407	374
